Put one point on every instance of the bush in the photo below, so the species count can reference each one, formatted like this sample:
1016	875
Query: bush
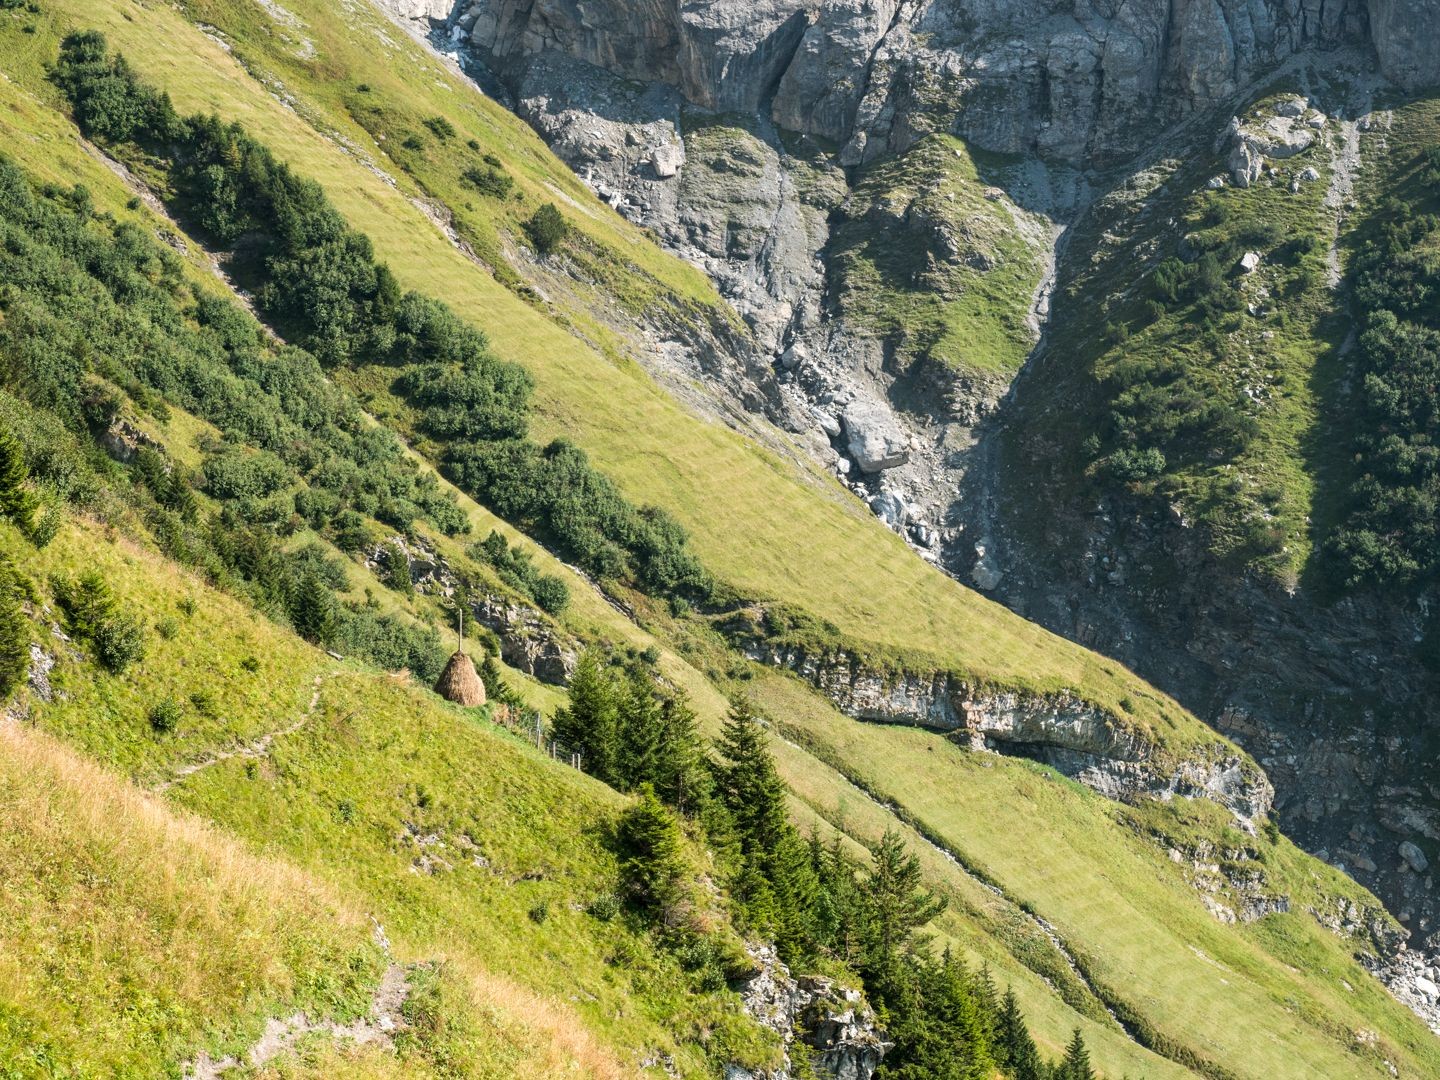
237	475
490	181
1134	466
120	642
165	716
444	130
604	907
547	228
551	593
46	527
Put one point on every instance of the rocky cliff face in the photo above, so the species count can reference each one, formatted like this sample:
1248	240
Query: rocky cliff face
1071	81
1094	746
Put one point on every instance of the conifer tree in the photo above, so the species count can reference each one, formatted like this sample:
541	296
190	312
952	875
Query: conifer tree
496	688
777	884
16	501
312	610
14	633
681	779
900	908
841	913
653	866
1015	1049
590	724
747	782
1076	1063
640	731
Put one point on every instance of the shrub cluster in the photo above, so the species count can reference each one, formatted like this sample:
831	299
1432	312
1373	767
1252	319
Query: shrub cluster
318	280
1391	530
516	570
93	614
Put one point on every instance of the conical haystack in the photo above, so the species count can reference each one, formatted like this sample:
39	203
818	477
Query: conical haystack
460	682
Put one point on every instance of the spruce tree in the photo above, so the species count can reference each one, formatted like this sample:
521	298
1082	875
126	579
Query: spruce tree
16	501
640	731
777	884
747	782
841	913
496	688
1076	1063
899	906
590	724
14	633
652	866
1015	1049
681	779
312	610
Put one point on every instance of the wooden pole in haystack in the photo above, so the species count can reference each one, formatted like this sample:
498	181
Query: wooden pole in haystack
460	682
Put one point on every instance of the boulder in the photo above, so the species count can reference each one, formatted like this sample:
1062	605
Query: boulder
889	508
1249	262
667	159
873	440
1414	857
1246	162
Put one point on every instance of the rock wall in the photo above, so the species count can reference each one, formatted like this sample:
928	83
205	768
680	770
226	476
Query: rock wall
1070	80
1079	739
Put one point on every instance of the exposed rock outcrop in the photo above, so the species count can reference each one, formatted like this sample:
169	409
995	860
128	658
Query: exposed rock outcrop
529	641
1404	35
1080	739
831	1025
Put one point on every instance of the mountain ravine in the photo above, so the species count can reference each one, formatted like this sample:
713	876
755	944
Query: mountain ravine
906	203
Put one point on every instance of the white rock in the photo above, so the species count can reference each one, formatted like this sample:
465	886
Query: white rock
1291	107
667	159
1309	174
794	356
985	574
873	441
1247	164
1215	183
1249	262
828	423
1426	987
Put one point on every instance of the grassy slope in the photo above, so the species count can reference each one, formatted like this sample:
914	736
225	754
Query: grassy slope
309	837
344	792
968	314
1278	356
805	541
134	934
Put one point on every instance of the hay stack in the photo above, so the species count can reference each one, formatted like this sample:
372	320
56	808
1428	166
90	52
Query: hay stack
460	682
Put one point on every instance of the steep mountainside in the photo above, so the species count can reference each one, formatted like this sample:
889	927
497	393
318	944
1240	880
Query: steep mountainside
258	454
906	202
